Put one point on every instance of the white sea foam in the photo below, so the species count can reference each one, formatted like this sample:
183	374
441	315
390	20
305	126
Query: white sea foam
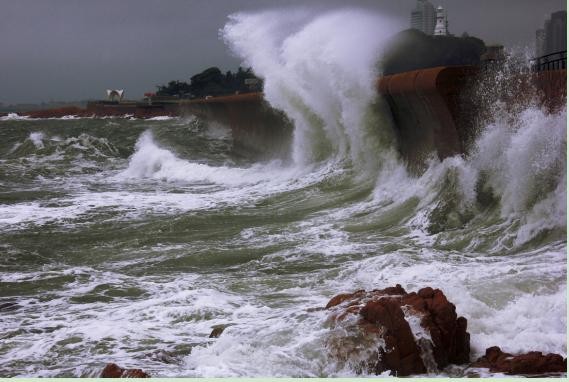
37	139
14	117
320	71
162	118
152	161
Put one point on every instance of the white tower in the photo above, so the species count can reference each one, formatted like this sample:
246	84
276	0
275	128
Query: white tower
441	28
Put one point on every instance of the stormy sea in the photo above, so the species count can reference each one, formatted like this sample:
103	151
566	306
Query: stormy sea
127	240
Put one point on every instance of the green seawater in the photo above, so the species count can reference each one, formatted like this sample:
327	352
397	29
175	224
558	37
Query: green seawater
129	241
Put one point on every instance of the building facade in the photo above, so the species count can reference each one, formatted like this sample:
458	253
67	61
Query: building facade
423	17
556	33
539	42
552	38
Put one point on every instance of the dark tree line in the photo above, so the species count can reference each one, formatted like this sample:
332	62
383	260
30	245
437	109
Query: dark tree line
211	82
412	50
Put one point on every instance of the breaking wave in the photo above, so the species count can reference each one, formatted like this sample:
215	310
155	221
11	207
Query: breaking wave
157	232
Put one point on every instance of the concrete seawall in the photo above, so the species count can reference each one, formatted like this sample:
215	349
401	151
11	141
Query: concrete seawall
256	127
428	110
434	110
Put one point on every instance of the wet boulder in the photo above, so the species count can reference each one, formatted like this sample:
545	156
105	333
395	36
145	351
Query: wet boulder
529	363
112	370
392	330
216	332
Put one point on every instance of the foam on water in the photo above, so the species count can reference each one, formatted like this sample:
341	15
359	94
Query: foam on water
162	118
14	117
257	247
152	161
37	139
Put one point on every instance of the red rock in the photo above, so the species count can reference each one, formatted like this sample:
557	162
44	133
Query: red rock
529	363
112	370
216	332
384	314
337	300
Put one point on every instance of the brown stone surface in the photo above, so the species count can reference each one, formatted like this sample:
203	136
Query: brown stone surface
57	112
112	370
382	314
529	363
216	332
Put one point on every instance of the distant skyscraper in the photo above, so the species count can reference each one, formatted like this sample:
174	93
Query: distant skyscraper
556	32
540	42
553	37
441	27
423	17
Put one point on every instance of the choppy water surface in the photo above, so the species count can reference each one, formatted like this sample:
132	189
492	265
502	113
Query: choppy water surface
127	241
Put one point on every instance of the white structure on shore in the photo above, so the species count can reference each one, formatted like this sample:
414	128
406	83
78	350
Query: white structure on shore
115	94
441	27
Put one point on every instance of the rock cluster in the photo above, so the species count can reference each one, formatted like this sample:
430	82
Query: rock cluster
414	332
529	363
112	370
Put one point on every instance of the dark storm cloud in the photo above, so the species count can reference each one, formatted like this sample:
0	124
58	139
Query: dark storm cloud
71	49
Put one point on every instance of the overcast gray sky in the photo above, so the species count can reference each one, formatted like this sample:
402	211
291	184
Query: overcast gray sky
75	49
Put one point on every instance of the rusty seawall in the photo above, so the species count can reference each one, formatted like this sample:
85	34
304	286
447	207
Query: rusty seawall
437	110
434	111
256	127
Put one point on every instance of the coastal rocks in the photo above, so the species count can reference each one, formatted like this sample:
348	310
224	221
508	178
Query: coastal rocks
112	370
529	363
392	330
216	332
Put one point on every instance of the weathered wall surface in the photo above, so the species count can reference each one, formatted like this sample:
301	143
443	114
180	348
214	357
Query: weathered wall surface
428	110
552	88
436	109
256	127
137	110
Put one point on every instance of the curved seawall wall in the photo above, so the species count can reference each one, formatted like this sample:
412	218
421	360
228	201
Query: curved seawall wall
429	111
435	110
256	127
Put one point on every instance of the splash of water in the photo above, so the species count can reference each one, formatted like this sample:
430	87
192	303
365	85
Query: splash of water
320	70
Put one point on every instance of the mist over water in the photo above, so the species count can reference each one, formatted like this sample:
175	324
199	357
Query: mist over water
128	241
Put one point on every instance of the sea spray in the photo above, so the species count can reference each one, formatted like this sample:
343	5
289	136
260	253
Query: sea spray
320	69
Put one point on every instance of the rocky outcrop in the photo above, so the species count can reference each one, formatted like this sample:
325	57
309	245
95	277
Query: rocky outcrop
217	331
529	363
392	330
112	370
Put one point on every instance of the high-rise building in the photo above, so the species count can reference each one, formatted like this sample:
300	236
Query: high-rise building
539	42
441	27
423	17
553	37
556	33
